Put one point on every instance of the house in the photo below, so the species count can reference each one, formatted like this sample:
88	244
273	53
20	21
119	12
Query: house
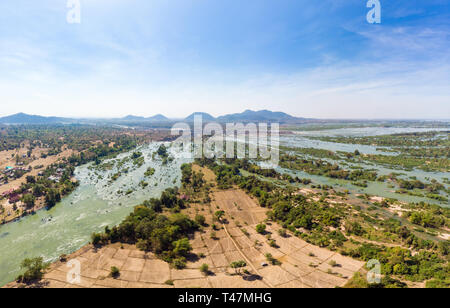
54	178
184	197
14	198
9	193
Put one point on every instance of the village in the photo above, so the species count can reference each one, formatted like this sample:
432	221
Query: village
17	174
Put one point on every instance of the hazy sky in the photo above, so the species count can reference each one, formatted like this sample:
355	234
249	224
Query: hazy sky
309	58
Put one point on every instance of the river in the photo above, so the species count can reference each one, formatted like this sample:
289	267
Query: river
93	205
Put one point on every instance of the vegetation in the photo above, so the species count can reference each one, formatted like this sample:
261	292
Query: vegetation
152	231
272	260
319	223
237	266
34	270
261	228
115	272
427	150
204	269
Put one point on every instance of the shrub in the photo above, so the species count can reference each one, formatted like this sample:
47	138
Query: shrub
204	269
282	232
115	272
219	215
273	244
200	219
97	239
238	265
333	263
271	259
261	228
179	263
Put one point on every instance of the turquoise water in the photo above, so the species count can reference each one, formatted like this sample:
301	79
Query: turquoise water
300	140
367	131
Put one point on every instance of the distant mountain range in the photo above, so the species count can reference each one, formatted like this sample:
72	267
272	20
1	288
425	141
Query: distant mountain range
262	115
22	118
246	116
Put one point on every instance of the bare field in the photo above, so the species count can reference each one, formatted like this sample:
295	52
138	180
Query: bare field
302	265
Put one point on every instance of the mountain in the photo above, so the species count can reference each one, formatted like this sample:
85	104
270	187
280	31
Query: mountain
158	118
205	117
22	118
259	116
132	118
246	116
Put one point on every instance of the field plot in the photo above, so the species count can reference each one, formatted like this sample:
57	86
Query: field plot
302	264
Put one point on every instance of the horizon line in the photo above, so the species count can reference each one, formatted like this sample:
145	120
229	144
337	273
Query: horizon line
183	118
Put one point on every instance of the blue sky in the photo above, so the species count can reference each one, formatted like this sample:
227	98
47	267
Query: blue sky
308	58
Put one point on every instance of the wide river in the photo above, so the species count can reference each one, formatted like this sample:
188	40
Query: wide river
92	206
301	140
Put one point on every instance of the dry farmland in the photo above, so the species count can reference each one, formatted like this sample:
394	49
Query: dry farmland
301	264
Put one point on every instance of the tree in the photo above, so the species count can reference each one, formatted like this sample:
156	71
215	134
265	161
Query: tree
96	239
271	259
237	266
162	151
38	190
444	248
282	232
182	247
186	174
261	228
35	270
219	215
400	269
204	269
28	200
115	272
200	219
197	180
31	179
52	197
179	263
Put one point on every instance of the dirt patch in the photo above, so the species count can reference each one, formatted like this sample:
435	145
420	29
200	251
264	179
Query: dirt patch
208	175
